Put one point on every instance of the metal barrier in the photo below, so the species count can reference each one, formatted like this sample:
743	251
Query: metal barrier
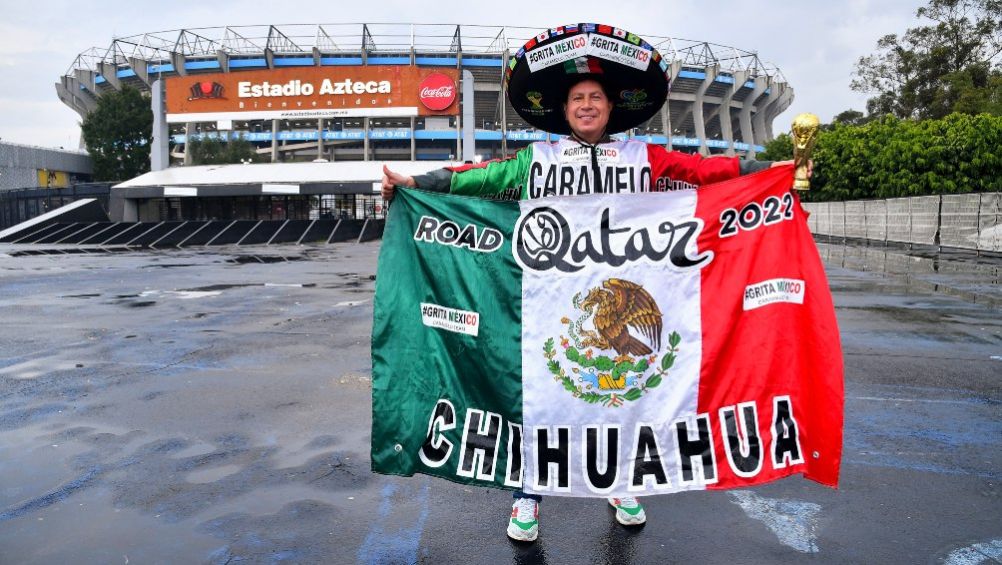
23	204
964	221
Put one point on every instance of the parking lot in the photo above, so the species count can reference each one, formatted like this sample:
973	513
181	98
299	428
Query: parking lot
214	406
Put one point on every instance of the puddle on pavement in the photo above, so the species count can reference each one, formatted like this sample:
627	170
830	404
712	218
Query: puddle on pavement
297	453
214	474
31	468
967	276
221	287
36	368
350	303
265	501
53	534
194	450
36	461
245	259
80	296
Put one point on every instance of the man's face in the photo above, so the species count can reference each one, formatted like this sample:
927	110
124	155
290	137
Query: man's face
587	110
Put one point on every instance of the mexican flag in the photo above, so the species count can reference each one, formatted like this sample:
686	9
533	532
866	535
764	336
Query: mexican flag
606	345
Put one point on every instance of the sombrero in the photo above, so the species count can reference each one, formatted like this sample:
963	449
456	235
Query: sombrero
631	70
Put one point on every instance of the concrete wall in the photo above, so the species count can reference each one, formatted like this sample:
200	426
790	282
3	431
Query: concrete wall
965	221
19	164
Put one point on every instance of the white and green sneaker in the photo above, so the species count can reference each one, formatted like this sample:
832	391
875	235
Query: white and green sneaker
629	512
524	523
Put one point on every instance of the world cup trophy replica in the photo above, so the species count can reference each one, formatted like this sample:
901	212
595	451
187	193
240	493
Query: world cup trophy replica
805	134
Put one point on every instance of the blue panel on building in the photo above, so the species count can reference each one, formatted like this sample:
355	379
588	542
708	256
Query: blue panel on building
655	139
156	69
436	61
356	135
99	79
258	136
389	60
196	65
692	74
298	135
436	134
334	61
750	84
247	63
487	135
527	135
125	73
294	62
468	62
684	141
390	133
724	79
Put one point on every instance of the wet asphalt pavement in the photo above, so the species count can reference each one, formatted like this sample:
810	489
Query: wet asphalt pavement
213	406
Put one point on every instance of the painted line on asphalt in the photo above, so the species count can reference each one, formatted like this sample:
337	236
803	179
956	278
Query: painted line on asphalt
976	554
387	544
793	521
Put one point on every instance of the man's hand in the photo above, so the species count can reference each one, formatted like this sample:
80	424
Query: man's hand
810	166
391	180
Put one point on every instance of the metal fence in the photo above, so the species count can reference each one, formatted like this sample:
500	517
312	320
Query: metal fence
963	221
21	205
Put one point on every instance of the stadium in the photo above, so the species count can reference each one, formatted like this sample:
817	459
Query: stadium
358	95
723	99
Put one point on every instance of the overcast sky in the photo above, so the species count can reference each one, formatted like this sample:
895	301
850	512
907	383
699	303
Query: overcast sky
815	43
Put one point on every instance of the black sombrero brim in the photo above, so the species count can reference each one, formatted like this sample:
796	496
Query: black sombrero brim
632	71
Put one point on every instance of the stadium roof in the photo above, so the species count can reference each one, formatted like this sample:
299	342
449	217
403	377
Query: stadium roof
277	173
236	41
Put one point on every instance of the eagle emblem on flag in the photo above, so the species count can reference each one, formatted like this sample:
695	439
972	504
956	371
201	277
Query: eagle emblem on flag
616	306
625	367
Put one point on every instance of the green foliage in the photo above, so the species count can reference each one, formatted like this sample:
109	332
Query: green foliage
779	149
118	135
850	117
891	157
941	67
212	151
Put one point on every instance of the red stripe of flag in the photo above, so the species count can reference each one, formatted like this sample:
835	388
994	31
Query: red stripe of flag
773	351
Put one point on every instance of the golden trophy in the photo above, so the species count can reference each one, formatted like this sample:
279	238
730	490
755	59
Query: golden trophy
805	134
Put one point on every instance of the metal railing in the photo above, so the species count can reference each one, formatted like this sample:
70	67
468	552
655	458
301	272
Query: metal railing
21	205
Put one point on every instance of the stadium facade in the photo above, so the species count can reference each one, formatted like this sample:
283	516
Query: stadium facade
307	92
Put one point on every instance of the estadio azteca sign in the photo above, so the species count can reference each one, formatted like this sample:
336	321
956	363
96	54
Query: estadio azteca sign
313	92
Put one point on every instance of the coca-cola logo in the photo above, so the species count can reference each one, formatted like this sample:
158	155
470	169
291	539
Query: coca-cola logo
437	91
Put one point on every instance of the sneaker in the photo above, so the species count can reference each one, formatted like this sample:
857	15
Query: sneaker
524	523
629	511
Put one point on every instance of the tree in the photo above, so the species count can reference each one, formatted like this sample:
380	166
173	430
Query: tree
926	72
118	135
779	149
212	151
890	157
850	117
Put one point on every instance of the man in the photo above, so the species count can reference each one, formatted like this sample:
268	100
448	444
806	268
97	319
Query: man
586	110
609	97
